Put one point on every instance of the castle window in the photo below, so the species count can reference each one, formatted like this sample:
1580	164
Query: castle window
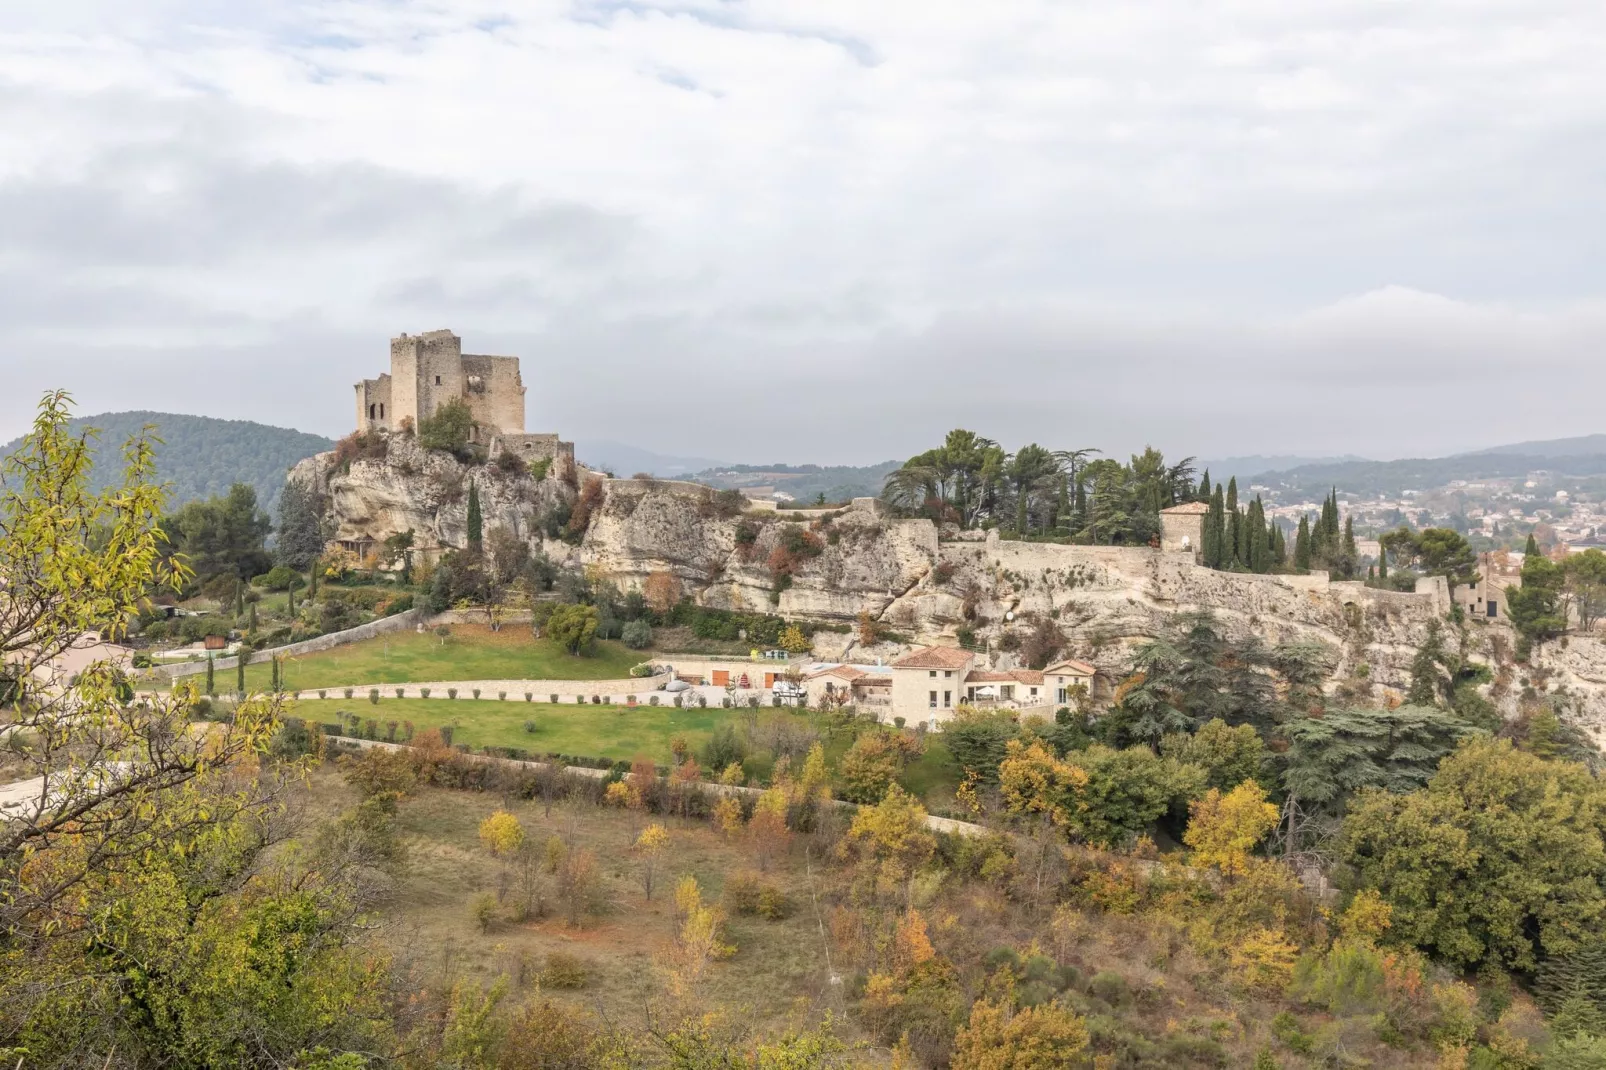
437	380
370	412
381	410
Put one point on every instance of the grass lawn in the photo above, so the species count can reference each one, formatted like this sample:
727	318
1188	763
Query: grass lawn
472	652
618	732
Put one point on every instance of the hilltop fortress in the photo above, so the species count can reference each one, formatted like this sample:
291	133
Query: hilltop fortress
429	370
922	581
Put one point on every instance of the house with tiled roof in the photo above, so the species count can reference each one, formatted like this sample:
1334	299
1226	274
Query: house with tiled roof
1182	527
928	683
865	686
1063	677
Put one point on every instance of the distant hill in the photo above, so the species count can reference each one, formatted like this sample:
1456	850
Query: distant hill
1583	446
200	456
1222	469
805	482
625	460
1391	477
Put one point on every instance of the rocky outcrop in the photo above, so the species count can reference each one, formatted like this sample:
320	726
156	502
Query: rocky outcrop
835	565
402	487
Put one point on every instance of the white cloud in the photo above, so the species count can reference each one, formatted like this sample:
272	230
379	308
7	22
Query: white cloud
1147	220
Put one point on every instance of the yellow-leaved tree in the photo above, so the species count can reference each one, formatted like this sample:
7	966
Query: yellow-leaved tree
502	834
1045	1037
1224	829
890	842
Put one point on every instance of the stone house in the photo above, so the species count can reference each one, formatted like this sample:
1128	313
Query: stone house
1063	676
928	683
1182	527
1485	597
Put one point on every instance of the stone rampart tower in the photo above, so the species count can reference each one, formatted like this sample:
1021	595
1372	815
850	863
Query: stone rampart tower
426	371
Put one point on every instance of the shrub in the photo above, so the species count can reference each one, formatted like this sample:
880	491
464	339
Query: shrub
1108	986
554	700
501	696
529	727
652	700
476	692
529	696
423	692
279	578
373	695
323	693
565	971
401	692
484	911
350	691
637	635
143	660
451	692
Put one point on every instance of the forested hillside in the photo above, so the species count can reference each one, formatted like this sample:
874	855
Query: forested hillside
201	457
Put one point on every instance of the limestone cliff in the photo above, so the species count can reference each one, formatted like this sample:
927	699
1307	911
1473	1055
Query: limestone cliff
926	584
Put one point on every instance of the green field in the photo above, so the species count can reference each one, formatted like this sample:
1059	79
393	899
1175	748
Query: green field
471	652
619	732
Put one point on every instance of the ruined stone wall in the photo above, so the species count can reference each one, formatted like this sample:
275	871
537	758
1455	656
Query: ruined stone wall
374	406
495	392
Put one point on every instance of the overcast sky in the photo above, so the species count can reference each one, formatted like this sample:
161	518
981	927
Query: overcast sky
823	230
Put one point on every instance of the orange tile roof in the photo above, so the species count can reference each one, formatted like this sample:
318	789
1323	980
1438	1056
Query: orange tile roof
935	657
873	681
1070	666
986	677
1028	676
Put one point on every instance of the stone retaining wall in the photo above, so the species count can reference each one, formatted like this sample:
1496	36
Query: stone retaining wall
404	621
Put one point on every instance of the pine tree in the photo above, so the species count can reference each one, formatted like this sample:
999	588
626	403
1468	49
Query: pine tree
1302	547
476	523
1577	973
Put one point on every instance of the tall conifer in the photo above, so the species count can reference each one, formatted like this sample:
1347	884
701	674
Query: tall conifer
1259	542
476	524
1302	548
1204	486
1347	552
1279	545
1234	540
1210	534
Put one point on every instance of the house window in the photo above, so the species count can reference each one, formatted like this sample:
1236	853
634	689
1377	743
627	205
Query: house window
437	380
1494	610
1007	692
1034	692
1061	696
948	673
947	699
933	700
933	674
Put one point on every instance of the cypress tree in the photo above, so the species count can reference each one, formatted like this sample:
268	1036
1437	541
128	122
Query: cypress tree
290	593
1348	553
1234	541
1204	486
253	619
239	598
1279	545
211	668
312	581
1532	548
1259	541
1302	545
239	672
1382	560
1210	534
475	522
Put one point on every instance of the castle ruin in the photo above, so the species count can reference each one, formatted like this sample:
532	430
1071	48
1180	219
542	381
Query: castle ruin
429	370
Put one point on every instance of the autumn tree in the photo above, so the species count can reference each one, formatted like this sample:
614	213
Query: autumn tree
662	591
650	846
1224	829
573	627
766	829
1044	1037
501	834
889	842
869	767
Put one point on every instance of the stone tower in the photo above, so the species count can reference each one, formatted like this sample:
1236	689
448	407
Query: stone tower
428	370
